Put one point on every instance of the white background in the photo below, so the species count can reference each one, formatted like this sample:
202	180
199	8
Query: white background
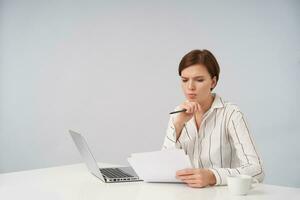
108	69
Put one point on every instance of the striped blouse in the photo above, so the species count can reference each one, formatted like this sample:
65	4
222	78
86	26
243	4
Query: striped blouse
223	144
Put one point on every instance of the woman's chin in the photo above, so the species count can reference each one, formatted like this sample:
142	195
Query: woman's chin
192	99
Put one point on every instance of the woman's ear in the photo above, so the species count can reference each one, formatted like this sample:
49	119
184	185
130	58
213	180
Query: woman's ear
214	82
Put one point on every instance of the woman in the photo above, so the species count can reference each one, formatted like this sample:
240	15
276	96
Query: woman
212	132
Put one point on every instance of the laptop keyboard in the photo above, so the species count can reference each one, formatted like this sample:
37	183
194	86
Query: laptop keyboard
114	173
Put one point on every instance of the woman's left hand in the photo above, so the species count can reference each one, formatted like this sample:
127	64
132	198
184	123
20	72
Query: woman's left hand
196	177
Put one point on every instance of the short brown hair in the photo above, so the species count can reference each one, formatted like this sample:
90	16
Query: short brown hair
203	57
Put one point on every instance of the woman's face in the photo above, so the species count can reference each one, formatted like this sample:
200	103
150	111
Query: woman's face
196	83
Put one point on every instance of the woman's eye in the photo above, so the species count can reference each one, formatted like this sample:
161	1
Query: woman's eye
184	80
200	80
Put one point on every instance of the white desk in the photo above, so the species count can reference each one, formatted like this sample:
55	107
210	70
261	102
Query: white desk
75	182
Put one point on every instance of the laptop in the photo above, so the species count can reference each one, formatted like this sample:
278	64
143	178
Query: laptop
107	175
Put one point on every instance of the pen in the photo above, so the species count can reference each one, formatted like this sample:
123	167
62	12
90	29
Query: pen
183	110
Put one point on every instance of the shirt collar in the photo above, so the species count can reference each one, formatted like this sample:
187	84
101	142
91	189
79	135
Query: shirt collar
218	102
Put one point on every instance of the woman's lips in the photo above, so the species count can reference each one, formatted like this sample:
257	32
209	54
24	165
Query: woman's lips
192	96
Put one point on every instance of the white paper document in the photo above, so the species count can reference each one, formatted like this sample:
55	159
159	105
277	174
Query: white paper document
159	166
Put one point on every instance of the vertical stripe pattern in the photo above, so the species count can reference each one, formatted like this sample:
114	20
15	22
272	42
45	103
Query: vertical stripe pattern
223	144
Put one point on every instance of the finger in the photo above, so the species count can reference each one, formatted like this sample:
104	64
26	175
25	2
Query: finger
193	105
196	107
189	109
186	171
184	178
199	107
185	106
188	177
193	181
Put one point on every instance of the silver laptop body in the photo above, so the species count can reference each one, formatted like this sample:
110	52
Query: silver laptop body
107	175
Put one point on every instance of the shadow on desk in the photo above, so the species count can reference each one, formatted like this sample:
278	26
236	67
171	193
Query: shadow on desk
145	191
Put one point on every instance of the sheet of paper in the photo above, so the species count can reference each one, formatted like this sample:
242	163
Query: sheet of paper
159	166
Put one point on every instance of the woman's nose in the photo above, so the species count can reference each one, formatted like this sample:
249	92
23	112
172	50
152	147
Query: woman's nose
191	85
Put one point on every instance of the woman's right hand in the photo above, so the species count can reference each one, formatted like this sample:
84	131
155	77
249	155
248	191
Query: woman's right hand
183	117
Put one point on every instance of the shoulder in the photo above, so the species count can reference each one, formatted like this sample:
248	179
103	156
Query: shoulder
230	107
232	111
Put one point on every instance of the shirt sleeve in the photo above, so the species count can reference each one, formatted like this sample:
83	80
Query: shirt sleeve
242	142
170	138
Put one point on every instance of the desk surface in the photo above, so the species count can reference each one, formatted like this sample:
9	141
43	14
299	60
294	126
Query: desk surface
75	182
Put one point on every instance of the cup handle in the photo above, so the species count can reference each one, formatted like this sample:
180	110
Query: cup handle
254	183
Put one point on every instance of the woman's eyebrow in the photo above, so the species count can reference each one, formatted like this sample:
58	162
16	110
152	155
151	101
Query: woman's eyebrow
193	77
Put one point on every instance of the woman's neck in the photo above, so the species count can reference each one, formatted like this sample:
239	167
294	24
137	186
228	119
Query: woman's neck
207	103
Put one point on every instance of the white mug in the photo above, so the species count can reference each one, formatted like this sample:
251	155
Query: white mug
240	184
